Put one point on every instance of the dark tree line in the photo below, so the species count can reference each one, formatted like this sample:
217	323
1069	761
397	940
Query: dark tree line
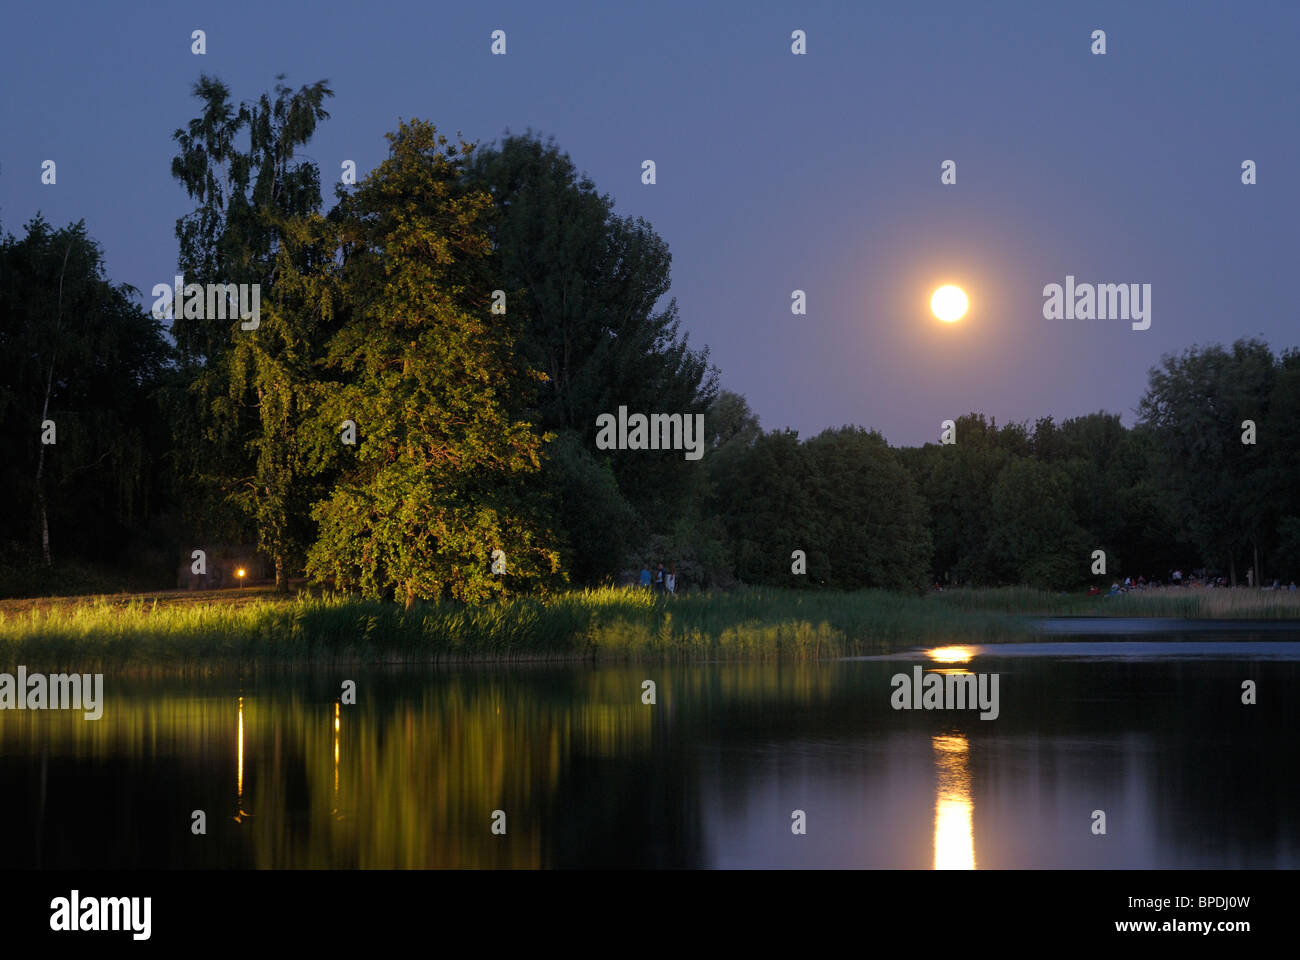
85	470
470	311
471	426
1203	480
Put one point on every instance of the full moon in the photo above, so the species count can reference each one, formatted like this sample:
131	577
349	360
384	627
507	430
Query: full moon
948	304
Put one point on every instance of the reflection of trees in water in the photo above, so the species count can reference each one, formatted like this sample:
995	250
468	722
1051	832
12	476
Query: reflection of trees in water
420	776
588	775
408	777
1217	775
1209	779
118	791
1228	787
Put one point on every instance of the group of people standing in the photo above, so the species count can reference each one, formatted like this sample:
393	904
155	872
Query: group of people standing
663	582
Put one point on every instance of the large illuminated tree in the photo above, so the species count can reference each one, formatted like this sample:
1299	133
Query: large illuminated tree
426	371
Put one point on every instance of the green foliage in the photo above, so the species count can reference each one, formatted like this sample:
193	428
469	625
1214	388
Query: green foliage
426	372
956	482
241	165
587	505
1034	536
763	495
843	498
1224	492
869	514
252	390
729	420
1012	504
591	285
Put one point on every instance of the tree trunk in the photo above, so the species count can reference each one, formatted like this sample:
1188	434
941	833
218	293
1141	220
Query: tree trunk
410	597
1232	570
281	578
45	415
45	521
40	487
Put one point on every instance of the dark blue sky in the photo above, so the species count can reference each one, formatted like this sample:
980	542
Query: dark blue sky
775	172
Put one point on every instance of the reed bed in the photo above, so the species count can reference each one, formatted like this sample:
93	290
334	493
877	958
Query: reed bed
601	624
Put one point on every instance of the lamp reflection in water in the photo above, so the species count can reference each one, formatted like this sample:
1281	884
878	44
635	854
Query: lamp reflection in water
239	768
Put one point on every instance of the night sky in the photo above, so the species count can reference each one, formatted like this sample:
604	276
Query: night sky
775	172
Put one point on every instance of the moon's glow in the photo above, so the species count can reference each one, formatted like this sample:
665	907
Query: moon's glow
948	303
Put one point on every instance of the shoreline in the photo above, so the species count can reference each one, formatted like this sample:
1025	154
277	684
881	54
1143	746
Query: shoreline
235	630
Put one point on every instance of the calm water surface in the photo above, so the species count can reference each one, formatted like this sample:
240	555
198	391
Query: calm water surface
1151	732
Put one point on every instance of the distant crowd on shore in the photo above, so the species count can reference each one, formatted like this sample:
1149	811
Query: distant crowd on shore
1197	578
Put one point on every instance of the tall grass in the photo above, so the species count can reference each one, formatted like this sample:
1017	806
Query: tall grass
1200	602
1187	602
1014	600
592	624
604	624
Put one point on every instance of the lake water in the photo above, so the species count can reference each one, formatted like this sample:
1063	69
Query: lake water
1151	732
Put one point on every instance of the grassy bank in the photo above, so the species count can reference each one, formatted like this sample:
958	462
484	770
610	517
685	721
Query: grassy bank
1189	602
608	624
226	628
